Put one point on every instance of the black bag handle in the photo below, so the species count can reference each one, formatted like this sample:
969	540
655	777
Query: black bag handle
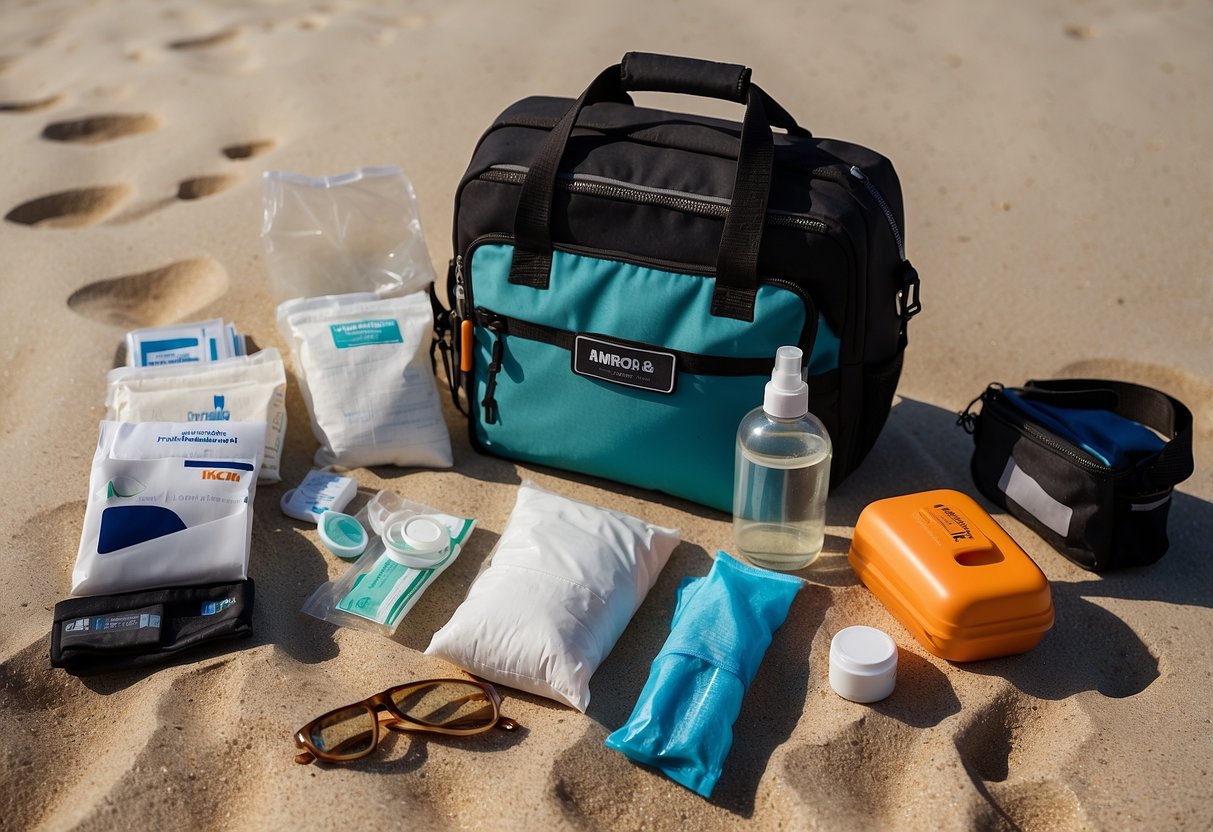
737	260
1152	408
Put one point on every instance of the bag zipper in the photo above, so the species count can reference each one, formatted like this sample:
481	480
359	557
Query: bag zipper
501	325
884	206
463	289
707	206
990	405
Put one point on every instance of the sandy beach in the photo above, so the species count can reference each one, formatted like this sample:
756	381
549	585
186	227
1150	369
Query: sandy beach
1055	165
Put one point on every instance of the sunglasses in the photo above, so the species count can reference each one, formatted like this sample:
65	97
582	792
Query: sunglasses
442	706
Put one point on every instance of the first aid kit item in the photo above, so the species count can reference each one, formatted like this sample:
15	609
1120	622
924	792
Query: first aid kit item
565	579
863	664
353	232
782	474
1088	464
366	379
342	535
418	541
319	492
723	623
624	276
194	343
241	389
951	575
169	504
380	588
134	629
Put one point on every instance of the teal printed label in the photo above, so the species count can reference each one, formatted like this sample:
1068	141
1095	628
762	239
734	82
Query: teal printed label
362	333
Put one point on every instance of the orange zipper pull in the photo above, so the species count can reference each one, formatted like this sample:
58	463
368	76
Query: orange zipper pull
465	346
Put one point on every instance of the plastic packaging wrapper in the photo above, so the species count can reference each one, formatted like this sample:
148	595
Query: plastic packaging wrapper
683	721
376	593
332	235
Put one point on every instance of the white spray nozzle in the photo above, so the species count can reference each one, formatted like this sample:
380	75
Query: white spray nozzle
787	396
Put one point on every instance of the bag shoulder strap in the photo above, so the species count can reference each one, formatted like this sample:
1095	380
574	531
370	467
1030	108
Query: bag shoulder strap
1145	405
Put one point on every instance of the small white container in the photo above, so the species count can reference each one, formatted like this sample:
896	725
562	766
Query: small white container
863	664
419	541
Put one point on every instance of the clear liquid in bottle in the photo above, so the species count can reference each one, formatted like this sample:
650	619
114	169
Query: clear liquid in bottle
782	474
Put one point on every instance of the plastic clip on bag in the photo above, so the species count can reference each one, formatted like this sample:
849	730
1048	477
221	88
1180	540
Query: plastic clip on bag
242	389
388	579
723	623
566	578
1087	464
355	232
366	379
169	504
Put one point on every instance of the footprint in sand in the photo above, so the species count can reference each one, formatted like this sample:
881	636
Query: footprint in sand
100	128
30	105
247	150
160	296
218	52
202	186
1010	750
70	209
206	41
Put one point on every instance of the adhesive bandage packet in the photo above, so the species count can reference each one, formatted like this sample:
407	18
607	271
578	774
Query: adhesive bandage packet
169	504
194	343
242	389
366	378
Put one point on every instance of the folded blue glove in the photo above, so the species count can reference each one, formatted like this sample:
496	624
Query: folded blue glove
723	623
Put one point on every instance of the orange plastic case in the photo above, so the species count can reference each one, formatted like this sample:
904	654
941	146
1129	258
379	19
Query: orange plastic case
951	575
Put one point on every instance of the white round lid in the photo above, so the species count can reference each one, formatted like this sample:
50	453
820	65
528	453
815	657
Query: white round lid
416	540
863	664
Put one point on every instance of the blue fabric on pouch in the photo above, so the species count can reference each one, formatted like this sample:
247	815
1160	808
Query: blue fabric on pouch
625	433
723	623
1114	440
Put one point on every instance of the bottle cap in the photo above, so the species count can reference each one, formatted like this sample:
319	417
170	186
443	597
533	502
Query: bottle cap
416	540
863	664
787	396
342	535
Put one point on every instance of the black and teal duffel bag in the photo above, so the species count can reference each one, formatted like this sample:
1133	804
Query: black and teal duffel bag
624	276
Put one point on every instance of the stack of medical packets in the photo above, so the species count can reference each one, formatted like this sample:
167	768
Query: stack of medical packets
201	342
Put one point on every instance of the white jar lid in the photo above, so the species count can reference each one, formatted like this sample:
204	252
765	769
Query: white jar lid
416	540
863	664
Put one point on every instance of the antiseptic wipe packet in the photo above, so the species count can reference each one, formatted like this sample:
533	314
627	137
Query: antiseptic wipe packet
169	504
378	591
367	381
244	389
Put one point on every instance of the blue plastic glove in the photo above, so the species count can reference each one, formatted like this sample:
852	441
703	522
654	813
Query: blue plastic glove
723	623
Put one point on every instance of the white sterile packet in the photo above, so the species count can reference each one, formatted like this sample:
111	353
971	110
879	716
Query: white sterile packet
565	579
169	504
377	592
354	232
244	389
366	378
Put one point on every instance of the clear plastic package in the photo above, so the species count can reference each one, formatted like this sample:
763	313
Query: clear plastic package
354	232
379	589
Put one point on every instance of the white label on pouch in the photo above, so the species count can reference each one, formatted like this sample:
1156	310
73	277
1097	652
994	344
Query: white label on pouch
1032	498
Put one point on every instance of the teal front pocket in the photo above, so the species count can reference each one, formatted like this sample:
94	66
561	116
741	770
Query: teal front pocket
529	404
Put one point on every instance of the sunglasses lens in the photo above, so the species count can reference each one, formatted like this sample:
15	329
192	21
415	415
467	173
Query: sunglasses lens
348	732
453	705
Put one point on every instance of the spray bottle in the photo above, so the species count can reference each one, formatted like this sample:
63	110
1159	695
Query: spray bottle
782	473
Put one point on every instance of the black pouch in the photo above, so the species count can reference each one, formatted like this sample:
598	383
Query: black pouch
109	632
1088	464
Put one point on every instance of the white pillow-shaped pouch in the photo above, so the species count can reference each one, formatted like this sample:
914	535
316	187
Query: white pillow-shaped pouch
366	378
565	579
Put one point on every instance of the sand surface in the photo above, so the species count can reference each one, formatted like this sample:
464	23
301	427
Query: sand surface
1055	163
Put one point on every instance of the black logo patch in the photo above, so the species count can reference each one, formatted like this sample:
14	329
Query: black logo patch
600	358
